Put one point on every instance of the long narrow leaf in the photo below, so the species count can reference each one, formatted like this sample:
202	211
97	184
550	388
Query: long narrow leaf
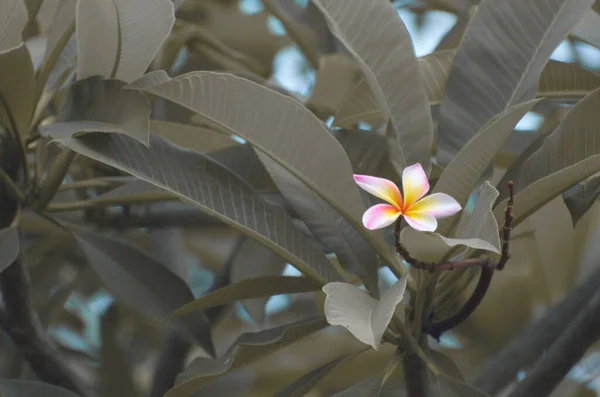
569	155
466	169
301	386
495	68
378	39
216	191
142	282
119	38
13	17
246	349
278	126
352	250
248	289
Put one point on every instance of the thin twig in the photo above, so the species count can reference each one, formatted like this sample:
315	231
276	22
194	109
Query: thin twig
568	349
91	183
170	363
530	344
436	329
22	324
18	317
12	189
508	218
432	266
54	179
485	278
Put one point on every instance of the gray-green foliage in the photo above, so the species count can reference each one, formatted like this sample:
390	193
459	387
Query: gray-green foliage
141	119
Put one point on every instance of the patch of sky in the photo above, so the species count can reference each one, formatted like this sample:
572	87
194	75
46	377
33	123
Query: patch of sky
446	341
277	303
275	26
238	139
471	201
180	60
364	126
100	301
302	3
200	280
587	369
291	71
250	7
564	52
291	271
531	121
241	313
588	56
450	342
329	121
434	27
68	337
386	278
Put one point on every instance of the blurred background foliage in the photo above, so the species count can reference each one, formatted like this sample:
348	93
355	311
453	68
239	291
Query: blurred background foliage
107	342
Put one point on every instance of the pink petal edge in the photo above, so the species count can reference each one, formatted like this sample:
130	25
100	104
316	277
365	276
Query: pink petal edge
380	216
381	188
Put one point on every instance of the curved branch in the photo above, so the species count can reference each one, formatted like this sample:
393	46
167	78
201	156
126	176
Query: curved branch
523	350
568	349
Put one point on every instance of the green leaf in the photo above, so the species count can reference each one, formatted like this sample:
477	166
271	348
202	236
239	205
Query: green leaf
455	388
492	47
446	364
119	38
199	138
360	104
336	76
303	385
248	348
334	233
10	246
101	105
60	29
331	174
17	84
565	81
212	188
374	386
513	171
367	387
466	169
250	288
368	153
387	59
569	155
255	260
13	17
580	198
115	365
435	68
299	33
363	316
558	80
143	283
281	128
432	247
243	161
587	28
28	388
238	158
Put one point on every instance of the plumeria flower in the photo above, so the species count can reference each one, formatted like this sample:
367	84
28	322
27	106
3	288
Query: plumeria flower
418	211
